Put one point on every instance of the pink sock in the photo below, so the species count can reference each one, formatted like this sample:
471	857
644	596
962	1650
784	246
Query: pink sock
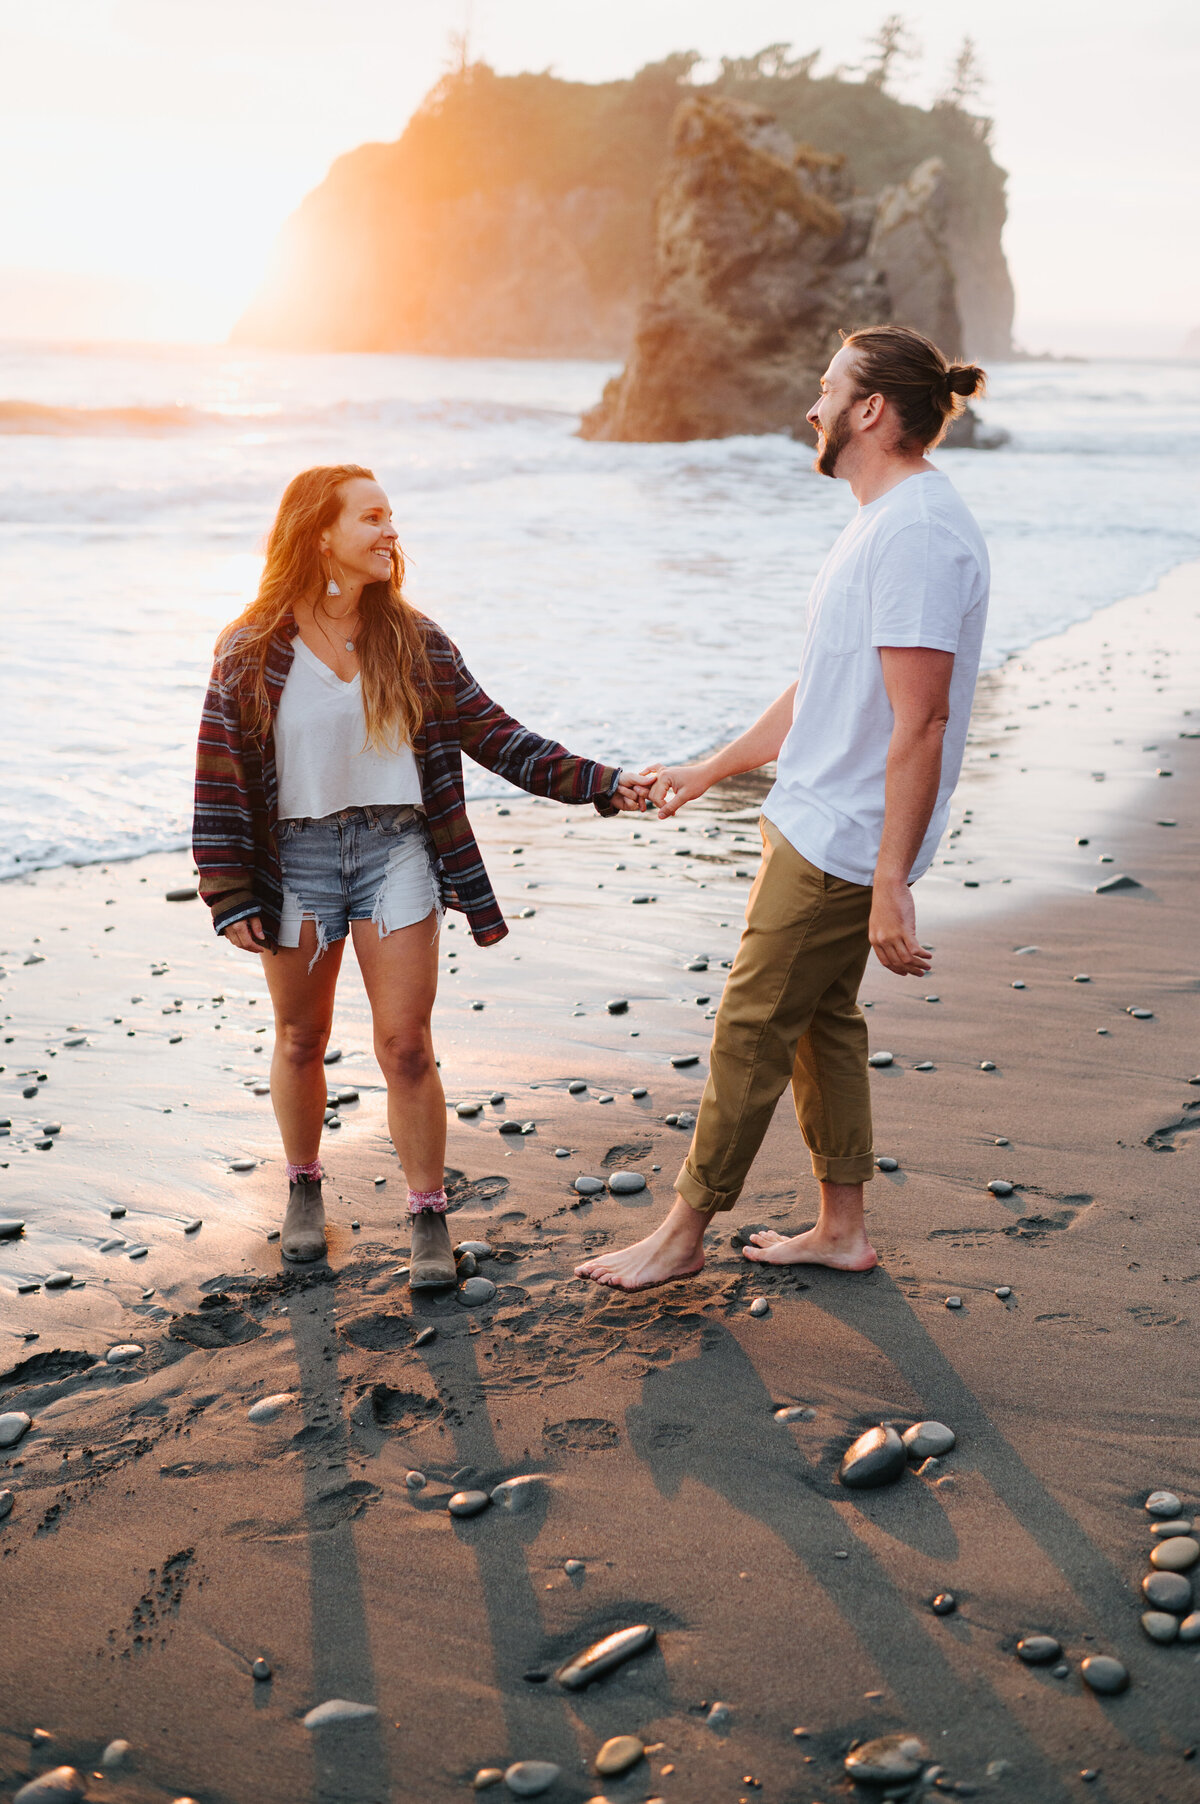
431	1202
312	1171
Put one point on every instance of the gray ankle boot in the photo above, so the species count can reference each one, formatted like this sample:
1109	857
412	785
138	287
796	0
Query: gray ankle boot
303	1236
431	1261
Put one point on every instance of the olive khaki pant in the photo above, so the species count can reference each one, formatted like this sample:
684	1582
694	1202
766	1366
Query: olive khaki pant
790	1012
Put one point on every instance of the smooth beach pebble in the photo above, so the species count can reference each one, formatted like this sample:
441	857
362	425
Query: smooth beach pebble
1000	1187
510	1127
426	1335
887	1164
65	1785
13	1424
1081	977
1100	1672
589	1186
572	1567
468	1503
1189	1628
480	1248
1164	1503
617	1006
530	1778
1168	1591
1038	1650
1162	1531
121	1355
194	1225
925	1065
881	1059
267	1409
336	1711
464	1110
1018	985
59	1280
602	1656
888	1760
878	1457
562	1152
986	1065
795	1412
262	1669
1160	1626
759	1306
638	1093
928	1440
944	1604
476	1291
626	1183
243	1164
1139	1014
416	1481
1177	1554
468	1265
1003	1291
618	1754
115	1754
954	1302
6	1504
11	1227
577	1088
487	1775
516	1494
682	1060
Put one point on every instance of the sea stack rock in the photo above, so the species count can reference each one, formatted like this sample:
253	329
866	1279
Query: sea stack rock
760	256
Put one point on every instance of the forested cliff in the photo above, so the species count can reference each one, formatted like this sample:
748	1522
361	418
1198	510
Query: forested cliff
515	216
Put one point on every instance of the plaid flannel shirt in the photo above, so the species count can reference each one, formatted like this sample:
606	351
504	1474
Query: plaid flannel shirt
233	835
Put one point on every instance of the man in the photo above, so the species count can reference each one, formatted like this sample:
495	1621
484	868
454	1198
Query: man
869	742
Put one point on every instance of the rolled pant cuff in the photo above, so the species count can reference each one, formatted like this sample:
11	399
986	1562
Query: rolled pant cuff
699	1196
855	1168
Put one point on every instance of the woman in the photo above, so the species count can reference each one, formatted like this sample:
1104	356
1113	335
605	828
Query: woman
329	800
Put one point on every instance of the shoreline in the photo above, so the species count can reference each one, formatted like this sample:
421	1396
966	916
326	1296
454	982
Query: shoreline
189	1541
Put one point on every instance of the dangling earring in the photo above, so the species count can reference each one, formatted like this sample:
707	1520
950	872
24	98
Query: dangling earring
331	587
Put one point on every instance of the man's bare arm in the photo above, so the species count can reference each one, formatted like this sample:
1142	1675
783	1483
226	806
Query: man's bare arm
917	681
679	783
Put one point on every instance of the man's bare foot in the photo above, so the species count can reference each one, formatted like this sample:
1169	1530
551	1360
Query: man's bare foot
815	1247
674	1250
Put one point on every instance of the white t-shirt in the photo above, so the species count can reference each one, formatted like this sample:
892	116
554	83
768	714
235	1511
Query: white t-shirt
319	757
910	569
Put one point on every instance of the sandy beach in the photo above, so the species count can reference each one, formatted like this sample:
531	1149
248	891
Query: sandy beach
160	1542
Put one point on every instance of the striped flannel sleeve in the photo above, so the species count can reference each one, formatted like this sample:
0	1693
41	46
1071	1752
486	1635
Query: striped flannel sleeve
222	828
501	744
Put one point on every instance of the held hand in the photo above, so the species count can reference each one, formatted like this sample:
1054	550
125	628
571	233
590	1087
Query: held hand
247	935
677	784
630	793
893	931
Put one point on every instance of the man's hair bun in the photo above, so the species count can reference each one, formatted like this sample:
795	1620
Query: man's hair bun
965	379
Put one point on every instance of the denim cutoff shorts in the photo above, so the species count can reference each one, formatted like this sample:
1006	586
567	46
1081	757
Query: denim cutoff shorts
363	864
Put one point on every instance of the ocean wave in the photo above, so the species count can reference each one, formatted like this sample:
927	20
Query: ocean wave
38	418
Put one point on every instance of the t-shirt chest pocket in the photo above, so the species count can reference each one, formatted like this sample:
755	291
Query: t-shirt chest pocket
841	619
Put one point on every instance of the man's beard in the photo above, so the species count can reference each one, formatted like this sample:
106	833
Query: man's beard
833	441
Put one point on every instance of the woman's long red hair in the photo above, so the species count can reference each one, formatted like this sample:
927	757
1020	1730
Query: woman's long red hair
397	678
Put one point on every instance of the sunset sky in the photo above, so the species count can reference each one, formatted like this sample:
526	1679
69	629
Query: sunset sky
150	149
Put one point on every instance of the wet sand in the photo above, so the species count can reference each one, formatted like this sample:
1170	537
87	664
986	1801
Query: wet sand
160	1542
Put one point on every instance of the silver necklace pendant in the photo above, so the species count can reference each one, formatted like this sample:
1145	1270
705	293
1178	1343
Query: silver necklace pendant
349	645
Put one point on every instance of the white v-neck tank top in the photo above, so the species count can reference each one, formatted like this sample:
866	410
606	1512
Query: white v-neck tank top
322	761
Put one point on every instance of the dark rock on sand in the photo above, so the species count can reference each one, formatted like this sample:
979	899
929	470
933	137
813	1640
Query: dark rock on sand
880	1060
1164	1503
877	1457
944	1604
1162	1531
603	1656
1178	1553
6	1504
887	1164
1168	1591
65	1785
626	1183
530	1778
618	1006
11	1227
1038	1650
1189	1628
888	1760
1118	882
1160	1626
59	1280
13	1424
1100	1672
262	1669
476	1291
468	1503
928	1440
683	1060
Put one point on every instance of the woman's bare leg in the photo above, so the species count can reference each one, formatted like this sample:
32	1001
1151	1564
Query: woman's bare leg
303	1003
400	974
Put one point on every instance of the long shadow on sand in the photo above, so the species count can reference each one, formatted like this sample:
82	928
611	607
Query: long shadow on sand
350	1763
767	1477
